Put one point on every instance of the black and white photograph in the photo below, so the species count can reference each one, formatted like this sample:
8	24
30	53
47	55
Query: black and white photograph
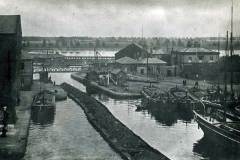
119	79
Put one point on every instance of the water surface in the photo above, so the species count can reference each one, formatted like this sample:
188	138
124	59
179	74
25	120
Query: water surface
63	133
174	134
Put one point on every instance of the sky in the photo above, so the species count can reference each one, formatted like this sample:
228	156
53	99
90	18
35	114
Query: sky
125	18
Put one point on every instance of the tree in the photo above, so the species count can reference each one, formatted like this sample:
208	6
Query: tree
189	43
90	45
63	42
44	43
97	43
103	44
116	45
78	44
157	45
173	43
180	43
57	43
196	44
28	44
166	44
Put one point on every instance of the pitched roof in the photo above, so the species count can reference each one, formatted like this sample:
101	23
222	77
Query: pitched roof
8	23
197	50
126	60
137	45
151	61
159	52
130	51
116	71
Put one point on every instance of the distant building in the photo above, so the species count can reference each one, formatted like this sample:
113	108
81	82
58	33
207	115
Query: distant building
154	66
26	71
195	55
191	61
135	59
10	55
162	54
118	76
127	64
159	53
133	51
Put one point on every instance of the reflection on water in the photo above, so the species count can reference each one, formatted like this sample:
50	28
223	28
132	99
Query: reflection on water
175	140
102	97
175	134
43	116
68	135
213	151
163	118
179	112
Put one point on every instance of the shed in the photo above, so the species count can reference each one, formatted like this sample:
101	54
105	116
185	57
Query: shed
134	51
118	77
127	64
153	64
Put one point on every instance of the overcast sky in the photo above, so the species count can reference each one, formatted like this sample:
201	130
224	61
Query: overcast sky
166	18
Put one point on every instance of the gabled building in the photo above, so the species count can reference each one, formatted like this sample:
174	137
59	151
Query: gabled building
133	51
192	61
126	64
195	55
10	55
118	76
152	65
137	60
158	53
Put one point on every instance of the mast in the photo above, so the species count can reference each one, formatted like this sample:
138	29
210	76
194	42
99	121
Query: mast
218	58
231	50
145	48
225	70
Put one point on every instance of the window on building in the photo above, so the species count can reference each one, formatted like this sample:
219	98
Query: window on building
200	57
211	58
189	59
142	71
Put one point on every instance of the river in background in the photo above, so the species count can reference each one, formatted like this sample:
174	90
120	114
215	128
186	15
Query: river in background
105	52
175	135
111	53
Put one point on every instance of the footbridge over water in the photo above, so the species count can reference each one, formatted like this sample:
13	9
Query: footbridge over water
60	63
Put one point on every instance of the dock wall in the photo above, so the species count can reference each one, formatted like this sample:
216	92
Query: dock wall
13	146
95	87
119	137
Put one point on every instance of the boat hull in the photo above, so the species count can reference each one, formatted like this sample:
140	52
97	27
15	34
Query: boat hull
160	105
44	99
217	135
168	105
